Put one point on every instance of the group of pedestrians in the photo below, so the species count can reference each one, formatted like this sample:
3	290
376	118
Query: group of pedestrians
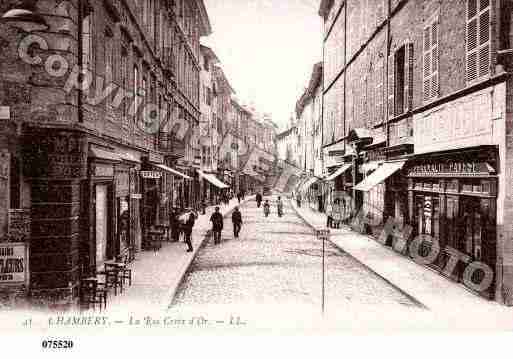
218	224
337	213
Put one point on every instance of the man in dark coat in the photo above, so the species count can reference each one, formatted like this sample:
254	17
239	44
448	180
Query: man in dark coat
174	225
237	222
258	199
188	231
217	225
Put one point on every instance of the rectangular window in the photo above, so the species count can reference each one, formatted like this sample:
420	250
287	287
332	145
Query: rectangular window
124	83
478	39
87	41
135	88
109	57
399	80
431	85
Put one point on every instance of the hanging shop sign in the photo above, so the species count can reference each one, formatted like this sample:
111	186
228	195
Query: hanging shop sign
156	158
136	196
14	263
151	174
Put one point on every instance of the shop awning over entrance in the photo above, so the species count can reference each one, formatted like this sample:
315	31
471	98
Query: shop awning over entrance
309	183
338	172
378	176
172	171
213	179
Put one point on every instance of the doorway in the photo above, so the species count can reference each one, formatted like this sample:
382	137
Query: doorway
101	224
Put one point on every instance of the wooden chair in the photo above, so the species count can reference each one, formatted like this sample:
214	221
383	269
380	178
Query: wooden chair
93	292
123	261
112	277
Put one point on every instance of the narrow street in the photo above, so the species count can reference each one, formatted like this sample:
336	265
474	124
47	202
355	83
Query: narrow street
278	261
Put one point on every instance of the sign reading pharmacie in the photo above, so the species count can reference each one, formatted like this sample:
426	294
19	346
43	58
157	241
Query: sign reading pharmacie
14	263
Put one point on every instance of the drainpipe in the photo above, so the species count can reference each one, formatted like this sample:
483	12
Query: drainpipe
387	56
80	57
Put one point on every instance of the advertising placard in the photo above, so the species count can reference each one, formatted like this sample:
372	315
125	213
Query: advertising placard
13	263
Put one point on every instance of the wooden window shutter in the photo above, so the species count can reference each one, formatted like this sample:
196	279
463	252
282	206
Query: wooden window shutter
435	83
478	39
379	112
408	77
426	86
391	85
431	83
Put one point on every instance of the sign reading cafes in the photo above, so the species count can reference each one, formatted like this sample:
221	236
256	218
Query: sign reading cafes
13	263
450	168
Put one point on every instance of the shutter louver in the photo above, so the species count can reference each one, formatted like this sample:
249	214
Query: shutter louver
431	61
408	77
391	86
379	92
478	39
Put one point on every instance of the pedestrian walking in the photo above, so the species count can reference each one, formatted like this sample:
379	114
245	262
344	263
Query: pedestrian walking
237	222
174	223
267	208
188	231
337	213
329	214
217	225
298	199
279	206
258	199
239	196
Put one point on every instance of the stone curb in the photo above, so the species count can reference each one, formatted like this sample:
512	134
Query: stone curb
397	287
203	234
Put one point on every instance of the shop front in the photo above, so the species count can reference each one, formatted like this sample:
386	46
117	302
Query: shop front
453	199
163	189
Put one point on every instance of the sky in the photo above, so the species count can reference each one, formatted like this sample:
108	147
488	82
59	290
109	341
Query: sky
267	49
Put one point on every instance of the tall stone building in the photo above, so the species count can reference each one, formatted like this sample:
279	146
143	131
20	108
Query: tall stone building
417	113
100	101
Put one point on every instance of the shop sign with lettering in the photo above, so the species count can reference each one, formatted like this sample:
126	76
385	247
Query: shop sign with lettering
102	170
13	263
151	174
156	158
450	168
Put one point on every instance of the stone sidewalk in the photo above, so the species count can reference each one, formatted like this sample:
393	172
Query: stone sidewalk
157	275
425	285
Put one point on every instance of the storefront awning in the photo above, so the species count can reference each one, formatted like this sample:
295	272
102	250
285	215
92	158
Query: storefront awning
381	174
309	183
172	171
338	172
370	166
213	179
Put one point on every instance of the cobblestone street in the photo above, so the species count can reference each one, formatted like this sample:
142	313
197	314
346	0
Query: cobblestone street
278	261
